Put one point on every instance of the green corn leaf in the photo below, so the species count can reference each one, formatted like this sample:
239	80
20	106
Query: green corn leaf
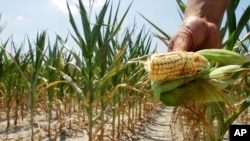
156	27
40	45
85	23
96	32
104	47
244	19
231	17
108	75
78	38
181	5
237	30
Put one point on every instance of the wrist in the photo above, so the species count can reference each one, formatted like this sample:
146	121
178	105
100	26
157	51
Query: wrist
207	10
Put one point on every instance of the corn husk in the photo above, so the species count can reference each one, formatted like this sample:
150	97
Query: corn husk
206	86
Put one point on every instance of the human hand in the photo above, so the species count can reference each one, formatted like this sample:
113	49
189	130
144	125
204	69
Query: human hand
194	34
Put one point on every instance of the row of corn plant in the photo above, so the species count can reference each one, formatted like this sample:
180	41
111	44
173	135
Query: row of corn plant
209	120
91	84
103	58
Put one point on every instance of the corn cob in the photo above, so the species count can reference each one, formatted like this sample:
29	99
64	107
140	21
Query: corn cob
173	65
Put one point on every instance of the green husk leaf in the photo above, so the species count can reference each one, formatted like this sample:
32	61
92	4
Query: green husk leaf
225	72
223	57
199	91
226	75
161	87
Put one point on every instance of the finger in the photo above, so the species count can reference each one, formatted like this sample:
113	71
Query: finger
214	40
180	42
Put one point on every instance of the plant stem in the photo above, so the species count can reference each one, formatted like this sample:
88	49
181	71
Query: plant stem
230	119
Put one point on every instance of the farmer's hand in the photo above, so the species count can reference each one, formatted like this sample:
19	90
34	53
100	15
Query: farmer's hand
195	34
199	29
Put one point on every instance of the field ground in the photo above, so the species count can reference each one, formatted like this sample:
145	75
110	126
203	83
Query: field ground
156	127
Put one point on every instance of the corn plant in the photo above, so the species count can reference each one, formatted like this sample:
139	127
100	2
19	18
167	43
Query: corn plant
54	59
12	88
36	59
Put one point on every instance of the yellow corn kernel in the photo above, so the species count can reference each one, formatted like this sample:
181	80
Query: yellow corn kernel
173	65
